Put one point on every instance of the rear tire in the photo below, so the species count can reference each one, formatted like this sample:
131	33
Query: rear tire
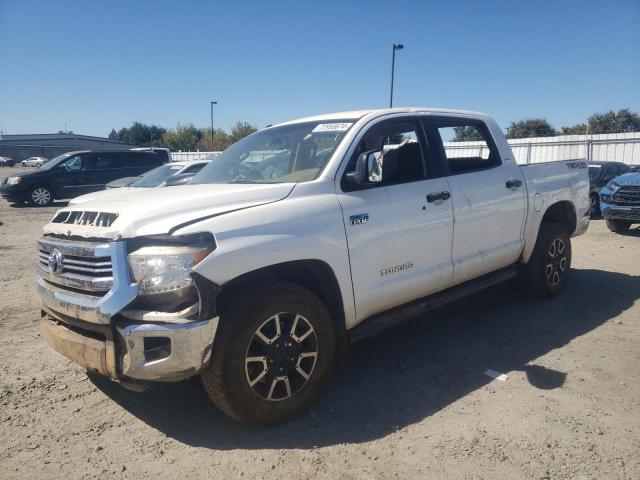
40	196
618	226
273	353
546	272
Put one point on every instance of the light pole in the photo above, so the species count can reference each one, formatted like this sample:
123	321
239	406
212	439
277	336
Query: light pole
212	104
396	46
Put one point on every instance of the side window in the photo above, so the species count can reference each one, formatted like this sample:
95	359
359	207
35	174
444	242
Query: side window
74	164
103	161
147	159
467	146
397	152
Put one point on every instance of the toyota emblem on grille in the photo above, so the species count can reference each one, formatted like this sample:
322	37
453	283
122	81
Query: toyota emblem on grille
54	261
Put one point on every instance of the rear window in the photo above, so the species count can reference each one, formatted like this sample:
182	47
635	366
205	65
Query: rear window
467	145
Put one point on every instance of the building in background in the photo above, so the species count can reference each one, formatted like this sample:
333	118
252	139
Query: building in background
51	145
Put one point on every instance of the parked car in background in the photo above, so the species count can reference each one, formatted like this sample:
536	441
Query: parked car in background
158	177
635	168
7	162
600	173
620	202
34	162
76	173
179	179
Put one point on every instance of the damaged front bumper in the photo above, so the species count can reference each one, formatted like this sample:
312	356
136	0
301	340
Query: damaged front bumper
84	317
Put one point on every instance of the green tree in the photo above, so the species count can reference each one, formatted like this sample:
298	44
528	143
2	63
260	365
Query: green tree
220	140
532	127
184	137
139	134
622	121
241	130
466	134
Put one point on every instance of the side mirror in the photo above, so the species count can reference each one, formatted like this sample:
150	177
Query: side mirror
368	168
180	179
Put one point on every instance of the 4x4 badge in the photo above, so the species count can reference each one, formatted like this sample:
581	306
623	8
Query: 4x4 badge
359	219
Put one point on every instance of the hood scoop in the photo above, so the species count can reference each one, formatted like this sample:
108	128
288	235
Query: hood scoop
85	218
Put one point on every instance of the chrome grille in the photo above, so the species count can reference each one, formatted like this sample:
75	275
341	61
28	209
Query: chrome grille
86	218
78	265
627	195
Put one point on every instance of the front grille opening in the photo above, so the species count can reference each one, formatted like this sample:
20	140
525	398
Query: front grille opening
86	218
156	348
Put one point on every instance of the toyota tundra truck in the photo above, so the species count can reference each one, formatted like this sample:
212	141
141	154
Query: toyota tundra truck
294	242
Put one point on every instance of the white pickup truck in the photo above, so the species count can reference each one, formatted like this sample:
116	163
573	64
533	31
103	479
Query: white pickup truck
296	240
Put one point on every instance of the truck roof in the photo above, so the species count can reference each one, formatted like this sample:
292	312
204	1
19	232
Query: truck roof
357	114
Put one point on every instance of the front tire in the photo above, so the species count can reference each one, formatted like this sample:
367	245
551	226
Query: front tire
40	196
618	226
546	272
273	353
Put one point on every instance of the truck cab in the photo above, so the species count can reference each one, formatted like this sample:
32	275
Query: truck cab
297	240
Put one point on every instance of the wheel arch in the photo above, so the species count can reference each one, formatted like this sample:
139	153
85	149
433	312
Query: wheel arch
314	275
563	213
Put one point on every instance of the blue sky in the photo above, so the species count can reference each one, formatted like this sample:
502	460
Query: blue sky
102	65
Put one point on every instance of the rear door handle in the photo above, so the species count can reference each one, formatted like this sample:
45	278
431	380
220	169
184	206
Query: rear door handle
513	183
432	197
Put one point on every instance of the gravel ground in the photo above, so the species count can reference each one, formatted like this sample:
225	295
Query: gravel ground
411	403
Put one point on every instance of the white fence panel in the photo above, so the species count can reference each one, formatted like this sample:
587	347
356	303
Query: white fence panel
618	147
191	156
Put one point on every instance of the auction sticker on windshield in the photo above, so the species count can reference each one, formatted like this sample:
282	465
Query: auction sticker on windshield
332	127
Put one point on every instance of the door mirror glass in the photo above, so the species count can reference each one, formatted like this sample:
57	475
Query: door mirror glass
368	168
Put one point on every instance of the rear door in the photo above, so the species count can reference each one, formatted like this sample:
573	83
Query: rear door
399	242
103	168
488	197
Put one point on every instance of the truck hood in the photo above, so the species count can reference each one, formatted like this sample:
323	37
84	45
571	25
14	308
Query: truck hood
628	179
101	195
152	211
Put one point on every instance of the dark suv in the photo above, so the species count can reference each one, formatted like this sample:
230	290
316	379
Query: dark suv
76	173
600	173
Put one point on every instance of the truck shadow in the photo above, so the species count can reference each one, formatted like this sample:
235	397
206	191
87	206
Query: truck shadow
408	373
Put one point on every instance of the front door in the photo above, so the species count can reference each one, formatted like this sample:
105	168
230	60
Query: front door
70	176
399	241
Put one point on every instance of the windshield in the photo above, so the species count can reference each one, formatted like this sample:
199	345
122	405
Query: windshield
594	170
155	177
289	153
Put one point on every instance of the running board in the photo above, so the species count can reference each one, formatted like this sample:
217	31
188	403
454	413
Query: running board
372	325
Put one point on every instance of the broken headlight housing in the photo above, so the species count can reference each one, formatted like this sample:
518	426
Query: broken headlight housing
166	266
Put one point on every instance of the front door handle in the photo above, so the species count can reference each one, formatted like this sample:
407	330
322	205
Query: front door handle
513	183
432	197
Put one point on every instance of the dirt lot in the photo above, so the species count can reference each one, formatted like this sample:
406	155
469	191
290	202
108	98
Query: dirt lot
411	403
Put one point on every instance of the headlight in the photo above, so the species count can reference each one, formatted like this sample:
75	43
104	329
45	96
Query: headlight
158	269
613	186
13	180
